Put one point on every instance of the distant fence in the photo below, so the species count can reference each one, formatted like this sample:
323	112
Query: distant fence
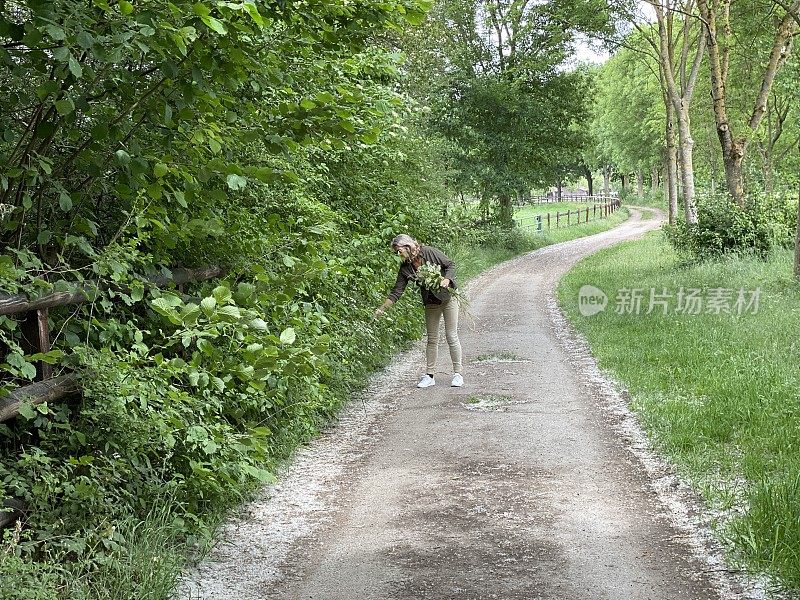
567	218
551	199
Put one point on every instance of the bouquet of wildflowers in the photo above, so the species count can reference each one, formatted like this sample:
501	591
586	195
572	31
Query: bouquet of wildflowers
429	276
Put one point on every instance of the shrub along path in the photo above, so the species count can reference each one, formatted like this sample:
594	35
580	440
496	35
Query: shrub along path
516	486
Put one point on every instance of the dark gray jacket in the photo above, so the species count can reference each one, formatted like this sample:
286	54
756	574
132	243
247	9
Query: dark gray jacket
409	273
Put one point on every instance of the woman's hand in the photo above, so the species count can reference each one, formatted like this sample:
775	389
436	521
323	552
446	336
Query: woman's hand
382	308
445	283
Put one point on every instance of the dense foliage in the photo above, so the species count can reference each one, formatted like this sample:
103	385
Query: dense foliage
723	227
497	77
267	138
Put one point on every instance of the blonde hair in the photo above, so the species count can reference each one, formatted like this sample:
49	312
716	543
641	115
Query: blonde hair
407	240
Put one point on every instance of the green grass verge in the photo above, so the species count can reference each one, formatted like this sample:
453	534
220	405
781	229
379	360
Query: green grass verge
656	200
719	394
139	559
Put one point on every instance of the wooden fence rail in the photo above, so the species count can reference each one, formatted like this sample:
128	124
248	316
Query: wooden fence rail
555	221
48	390
36	334
597	199
36	338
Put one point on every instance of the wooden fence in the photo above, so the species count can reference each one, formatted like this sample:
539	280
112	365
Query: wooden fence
35	338
538	223
601	199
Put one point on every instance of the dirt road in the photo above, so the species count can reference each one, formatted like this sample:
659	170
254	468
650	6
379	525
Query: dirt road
520	485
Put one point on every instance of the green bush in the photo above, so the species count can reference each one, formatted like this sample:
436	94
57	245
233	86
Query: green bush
725	228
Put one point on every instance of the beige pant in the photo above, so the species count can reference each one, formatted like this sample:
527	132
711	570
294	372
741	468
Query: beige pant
433	316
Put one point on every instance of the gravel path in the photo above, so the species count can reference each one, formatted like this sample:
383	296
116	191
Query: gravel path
530	482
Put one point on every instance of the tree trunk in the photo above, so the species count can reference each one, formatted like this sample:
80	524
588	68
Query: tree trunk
671	165
713	162
654	179
506	210
624	183
558	189
590	181
607	180
685	155
733	159
671	184
639	183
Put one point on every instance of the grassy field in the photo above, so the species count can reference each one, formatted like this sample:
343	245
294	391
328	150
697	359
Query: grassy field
531	210
719	394
472	259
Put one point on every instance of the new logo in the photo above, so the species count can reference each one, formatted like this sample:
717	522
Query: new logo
591	300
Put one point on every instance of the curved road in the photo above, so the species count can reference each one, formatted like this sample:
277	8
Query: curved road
516	486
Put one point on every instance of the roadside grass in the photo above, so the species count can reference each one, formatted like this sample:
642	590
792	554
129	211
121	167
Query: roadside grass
139	559
719	394
147	568
648	214
654	200
473	260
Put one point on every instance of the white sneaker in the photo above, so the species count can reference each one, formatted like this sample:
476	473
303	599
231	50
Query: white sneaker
458	380
426	381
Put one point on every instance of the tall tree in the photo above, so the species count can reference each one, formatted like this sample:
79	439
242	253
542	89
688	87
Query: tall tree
679	56
506	99
724	37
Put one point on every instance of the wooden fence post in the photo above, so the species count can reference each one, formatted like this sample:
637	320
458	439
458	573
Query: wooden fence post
36	338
